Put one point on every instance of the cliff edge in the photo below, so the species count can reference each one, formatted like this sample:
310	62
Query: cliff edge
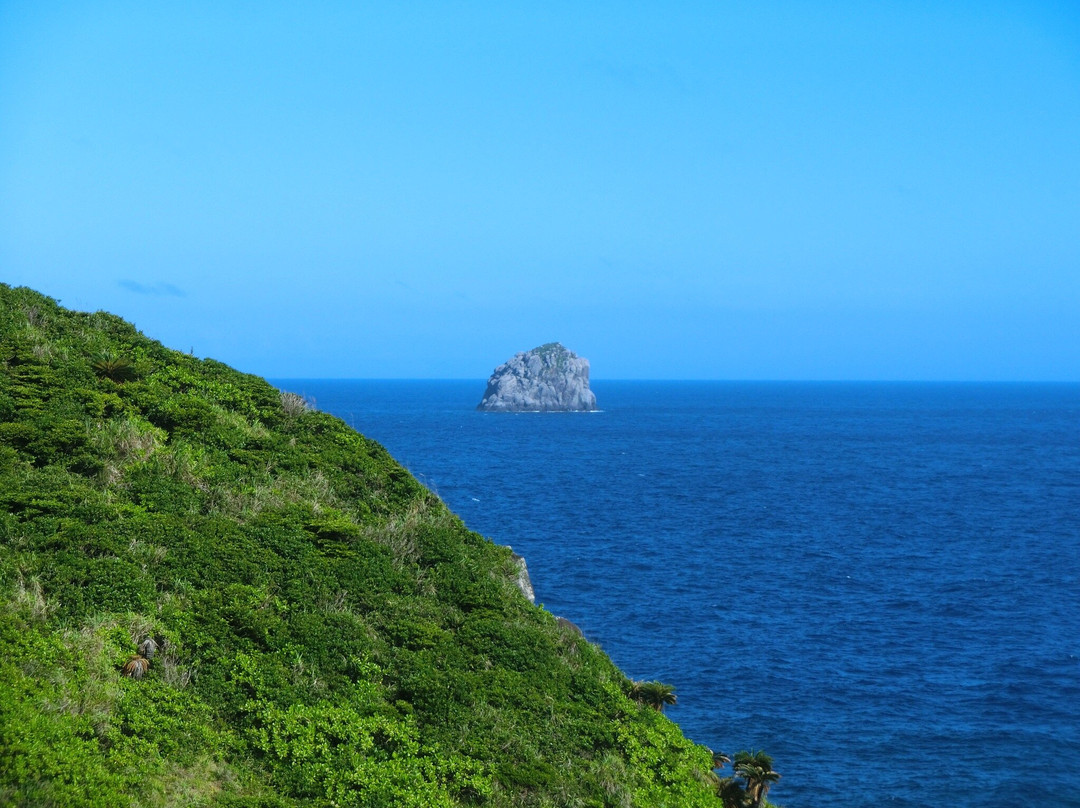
549	378
212	594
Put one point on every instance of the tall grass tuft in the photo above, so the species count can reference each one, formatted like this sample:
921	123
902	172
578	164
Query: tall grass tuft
294	404
31	599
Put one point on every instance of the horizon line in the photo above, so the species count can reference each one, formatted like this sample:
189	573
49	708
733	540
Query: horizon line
472	379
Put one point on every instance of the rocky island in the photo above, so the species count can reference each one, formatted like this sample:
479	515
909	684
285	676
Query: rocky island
549	378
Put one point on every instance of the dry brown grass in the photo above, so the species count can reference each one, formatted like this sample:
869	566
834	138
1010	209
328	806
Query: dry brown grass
123	441
30	598
295	405
171	671
98	688
399	532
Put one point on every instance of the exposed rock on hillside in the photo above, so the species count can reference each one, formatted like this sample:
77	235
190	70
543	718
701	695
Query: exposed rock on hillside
524	582
546	379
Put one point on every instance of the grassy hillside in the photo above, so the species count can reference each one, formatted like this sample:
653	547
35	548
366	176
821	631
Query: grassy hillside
328	632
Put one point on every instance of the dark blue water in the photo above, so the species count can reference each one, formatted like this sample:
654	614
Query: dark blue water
879	584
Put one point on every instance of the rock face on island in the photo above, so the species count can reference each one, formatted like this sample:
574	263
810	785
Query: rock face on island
546	379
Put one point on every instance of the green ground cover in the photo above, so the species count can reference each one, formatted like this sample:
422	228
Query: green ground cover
329	633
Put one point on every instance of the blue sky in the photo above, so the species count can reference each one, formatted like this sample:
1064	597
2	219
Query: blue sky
752	190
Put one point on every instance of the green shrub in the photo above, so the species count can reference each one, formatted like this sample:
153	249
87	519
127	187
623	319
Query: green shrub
328	632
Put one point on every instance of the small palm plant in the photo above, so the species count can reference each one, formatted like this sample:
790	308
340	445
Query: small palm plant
731	793
117	368
136	667
655	694
138	664
755	768
147	648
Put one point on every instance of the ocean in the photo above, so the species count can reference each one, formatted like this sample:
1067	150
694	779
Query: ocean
876	583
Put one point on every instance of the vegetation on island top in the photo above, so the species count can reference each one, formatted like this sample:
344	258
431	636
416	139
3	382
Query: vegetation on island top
212	594
553	349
